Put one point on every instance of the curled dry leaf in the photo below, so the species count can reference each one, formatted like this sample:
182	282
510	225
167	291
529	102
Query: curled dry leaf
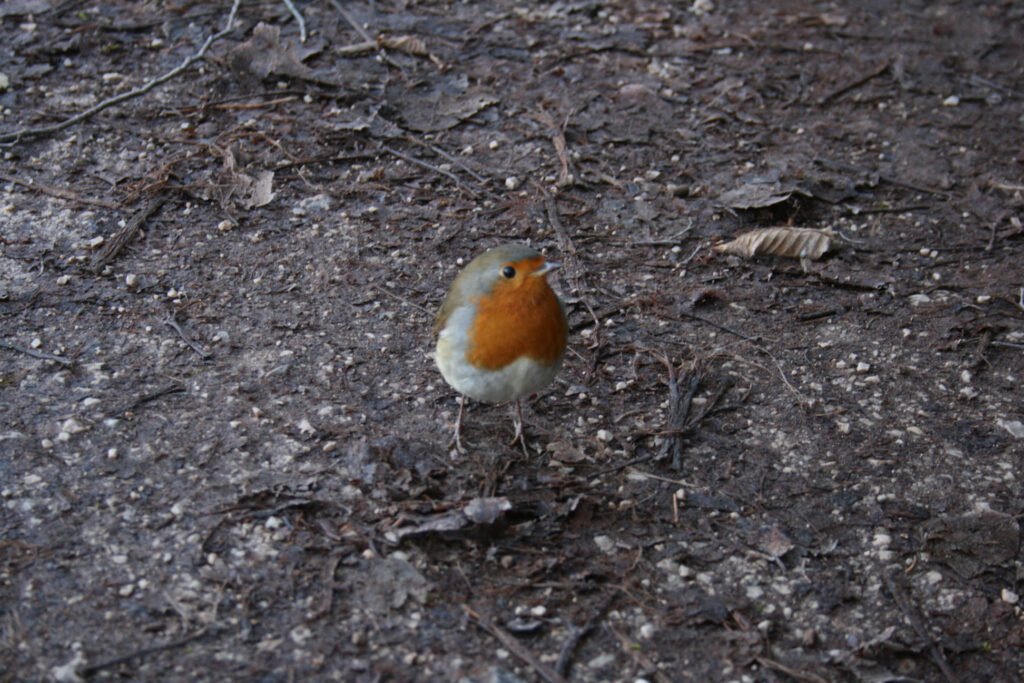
801	243
410	45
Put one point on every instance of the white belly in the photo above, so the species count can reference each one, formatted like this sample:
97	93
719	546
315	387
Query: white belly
515	380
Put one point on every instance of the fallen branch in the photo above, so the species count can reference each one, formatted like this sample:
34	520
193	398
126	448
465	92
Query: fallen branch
25	133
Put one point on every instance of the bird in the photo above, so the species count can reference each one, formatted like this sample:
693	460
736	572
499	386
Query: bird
501	331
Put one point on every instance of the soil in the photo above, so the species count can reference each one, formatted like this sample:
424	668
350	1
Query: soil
224	444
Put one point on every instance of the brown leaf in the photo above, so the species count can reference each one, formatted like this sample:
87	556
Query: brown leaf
801	243
407	44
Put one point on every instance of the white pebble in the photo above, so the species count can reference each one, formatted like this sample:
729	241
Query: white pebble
1009	597
604	435
951	101
512	182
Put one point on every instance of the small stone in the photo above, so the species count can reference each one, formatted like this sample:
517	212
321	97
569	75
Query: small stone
604	435
274	522
951	101
1015	427
1008	596
63	280
881	540
754	592
300	634
648	630
95	242
605	543
933	577
126	590
72	426
601	661
512	182
225	225
493	144
983	298
863	367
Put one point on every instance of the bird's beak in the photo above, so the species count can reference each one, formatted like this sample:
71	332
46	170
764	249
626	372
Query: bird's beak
549	266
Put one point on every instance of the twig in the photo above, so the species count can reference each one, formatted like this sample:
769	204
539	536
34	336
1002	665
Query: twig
440	152
795	674
514	646
298	19
174	644
914	617
173	324
327	578
123	236
842	90
58	192
568	248
557	135
401	299
66	362
358	28
19	135
678	409
430	167
176	388
579	634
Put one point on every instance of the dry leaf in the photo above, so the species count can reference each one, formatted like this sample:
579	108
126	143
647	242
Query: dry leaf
410	45
802	243
264	54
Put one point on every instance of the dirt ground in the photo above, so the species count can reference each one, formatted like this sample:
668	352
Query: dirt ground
223	440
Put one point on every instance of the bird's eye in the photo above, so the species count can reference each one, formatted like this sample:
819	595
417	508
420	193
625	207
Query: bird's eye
508	272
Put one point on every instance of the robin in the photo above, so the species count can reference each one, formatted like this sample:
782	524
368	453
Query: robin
501	331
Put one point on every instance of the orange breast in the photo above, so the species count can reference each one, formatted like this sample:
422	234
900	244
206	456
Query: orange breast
517	321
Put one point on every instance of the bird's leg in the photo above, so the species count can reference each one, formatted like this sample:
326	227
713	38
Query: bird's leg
456	441
517	420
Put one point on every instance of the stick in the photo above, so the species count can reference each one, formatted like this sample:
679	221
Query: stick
66	362
514	646
568	248
123	236
913	616
298	19
58	192
173	324
577	636
842	90
795	674
19	135
429	167
110	663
